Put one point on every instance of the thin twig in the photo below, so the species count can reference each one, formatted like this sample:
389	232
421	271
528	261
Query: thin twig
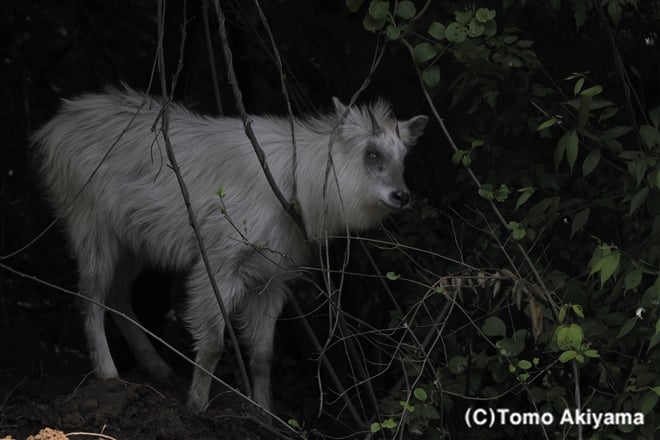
247	122
330	369
91	434
334	302
578	398
285	93
164	127
209	46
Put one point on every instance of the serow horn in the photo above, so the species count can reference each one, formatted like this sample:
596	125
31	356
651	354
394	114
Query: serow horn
375	127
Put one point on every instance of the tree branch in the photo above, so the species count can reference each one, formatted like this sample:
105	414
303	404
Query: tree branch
247	123
164	127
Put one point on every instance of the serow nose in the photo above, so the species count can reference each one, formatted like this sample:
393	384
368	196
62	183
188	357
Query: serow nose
401	198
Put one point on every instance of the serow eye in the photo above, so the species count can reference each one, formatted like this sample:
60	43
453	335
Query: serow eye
373	155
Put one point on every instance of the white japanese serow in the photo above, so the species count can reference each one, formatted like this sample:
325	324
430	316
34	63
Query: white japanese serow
107	175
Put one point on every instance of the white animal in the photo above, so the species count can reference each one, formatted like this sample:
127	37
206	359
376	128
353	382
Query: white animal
106	173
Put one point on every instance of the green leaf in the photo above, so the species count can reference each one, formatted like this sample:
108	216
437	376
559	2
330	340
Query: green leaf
456	33
567	356
393	32
354	5
633	278
546	124
651	297
405	9
625	328
591	353
616	132
523	377
463	17
375	427
649	135
638	199
518	233
604	258
457	364
475	29
491	28
654	115
590	162
294	423
457	156
592	91
560	151
420	394
389	424
524	364
656	390
431	76
526	193
577	309
502	193
648	402
609	265
580	12
437	30
378	9
562	313
407	405
510	39
615	9
494	326
371	24
584	110
654	177
569	336
567	144
578	85
654	341
571	148
580	220
607	113
487	191
424	52
392	276
483	15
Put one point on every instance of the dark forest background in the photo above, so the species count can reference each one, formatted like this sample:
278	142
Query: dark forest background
527	274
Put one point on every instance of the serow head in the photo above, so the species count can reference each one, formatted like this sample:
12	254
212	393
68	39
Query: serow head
377	144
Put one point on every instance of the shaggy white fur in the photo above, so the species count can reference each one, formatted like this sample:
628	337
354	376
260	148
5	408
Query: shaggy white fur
107	175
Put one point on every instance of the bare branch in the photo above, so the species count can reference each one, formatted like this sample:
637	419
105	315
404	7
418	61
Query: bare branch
182	185
247	123
209	46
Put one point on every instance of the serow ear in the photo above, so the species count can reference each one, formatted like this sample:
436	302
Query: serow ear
412	129
340	108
